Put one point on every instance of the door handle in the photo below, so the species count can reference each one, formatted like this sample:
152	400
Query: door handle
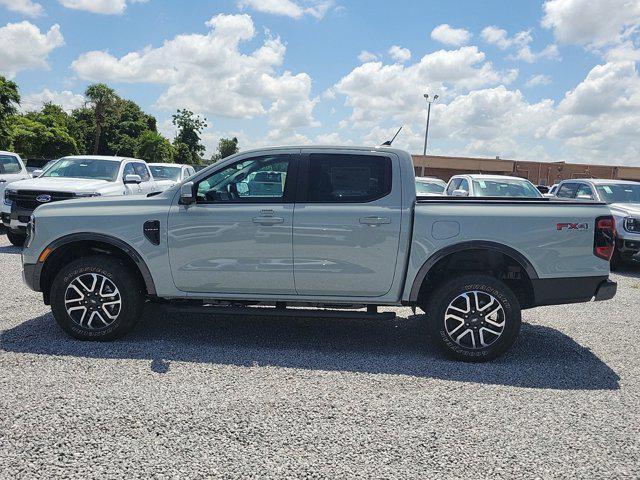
375	220
268	220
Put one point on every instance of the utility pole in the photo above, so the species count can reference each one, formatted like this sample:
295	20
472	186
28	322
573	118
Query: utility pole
426	133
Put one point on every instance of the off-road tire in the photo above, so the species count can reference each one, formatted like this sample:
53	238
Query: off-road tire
128	287
441	300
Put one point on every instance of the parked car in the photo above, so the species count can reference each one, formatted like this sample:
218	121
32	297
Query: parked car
168	174
72	178
346	231
12	169
553	190
429	186
491	186
543	189
623	198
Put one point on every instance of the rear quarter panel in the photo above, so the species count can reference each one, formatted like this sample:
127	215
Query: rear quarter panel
529	228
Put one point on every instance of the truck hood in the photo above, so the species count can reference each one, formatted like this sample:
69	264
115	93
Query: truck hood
625	209
75	185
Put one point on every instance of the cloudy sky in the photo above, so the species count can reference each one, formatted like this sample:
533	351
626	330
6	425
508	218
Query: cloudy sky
539	80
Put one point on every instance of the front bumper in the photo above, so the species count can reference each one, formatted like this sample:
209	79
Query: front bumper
30	276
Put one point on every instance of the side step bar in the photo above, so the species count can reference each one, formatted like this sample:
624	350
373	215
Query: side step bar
281	312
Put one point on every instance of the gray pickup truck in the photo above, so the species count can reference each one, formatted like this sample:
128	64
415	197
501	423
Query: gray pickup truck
341	235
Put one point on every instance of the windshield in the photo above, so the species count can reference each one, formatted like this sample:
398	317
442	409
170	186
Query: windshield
9	164
505	188
619	193
84	168
165	172
433	188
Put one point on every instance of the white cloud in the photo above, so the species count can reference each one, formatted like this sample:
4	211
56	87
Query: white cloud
537	80
24	47
521	42
448	35
400	54
26	7
591	22
290	8
105	7
66	99
378	92
365	56
208	73
598	120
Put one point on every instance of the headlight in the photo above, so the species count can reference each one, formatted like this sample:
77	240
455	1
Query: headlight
87	194
6	201
632	225
31	230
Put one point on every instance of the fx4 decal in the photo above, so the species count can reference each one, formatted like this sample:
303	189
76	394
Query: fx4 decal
572	226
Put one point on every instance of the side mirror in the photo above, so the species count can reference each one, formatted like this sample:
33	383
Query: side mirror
460	193
37	173
186	194
584	197
131	178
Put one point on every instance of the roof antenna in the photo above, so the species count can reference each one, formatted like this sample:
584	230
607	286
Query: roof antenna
389	142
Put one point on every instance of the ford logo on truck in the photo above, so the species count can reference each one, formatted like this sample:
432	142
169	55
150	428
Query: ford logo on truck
43	198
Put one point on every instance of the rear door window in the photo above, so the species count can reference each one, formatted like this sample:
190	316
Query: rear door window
346	178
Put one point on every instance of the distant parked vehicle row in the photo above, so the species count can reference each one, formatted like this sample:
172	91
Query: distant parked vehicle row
77	177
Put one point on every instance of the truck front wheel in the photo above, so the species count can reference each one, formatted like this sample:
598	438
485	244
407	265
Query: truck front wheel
96	298
474	318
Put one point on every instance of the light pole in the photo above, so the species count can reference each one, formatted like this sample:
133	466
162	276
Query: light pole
426	133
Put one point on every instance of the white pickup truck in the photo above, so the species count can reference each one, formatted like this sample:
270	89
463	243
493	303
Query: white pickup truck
335	228
12	169
69	178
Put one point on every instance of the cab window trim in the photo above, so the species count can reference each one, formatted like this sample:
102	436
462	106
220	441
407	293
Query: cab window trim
289	193
305	171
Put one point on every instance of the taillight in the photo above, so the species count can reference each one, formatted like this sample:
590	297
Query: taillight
605	237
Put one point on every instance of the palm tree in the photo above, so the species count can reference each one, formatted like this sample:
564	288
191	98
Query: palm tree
100	97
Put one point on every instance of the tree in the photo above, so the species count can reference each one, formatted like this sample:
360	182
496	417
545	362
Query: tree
153	147
34	138
182	154
9	101
102	100
190	127
43	134
226	148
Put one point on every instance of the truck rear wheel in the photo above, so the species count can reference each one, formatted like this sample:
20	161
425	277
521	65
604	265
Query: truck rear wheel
474	318
96	298
16	239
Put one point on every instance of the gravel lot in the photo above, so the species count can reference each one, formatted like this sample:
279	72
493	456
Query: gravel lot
286	398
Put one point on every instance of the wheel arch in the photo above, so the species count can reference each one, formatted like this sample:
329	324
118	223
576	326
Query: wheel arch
449	252
76	245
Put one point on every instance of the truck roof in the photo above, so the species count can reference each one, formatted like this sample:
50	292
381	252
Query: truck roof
480	176
102	157
328	147
4	152
602	181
